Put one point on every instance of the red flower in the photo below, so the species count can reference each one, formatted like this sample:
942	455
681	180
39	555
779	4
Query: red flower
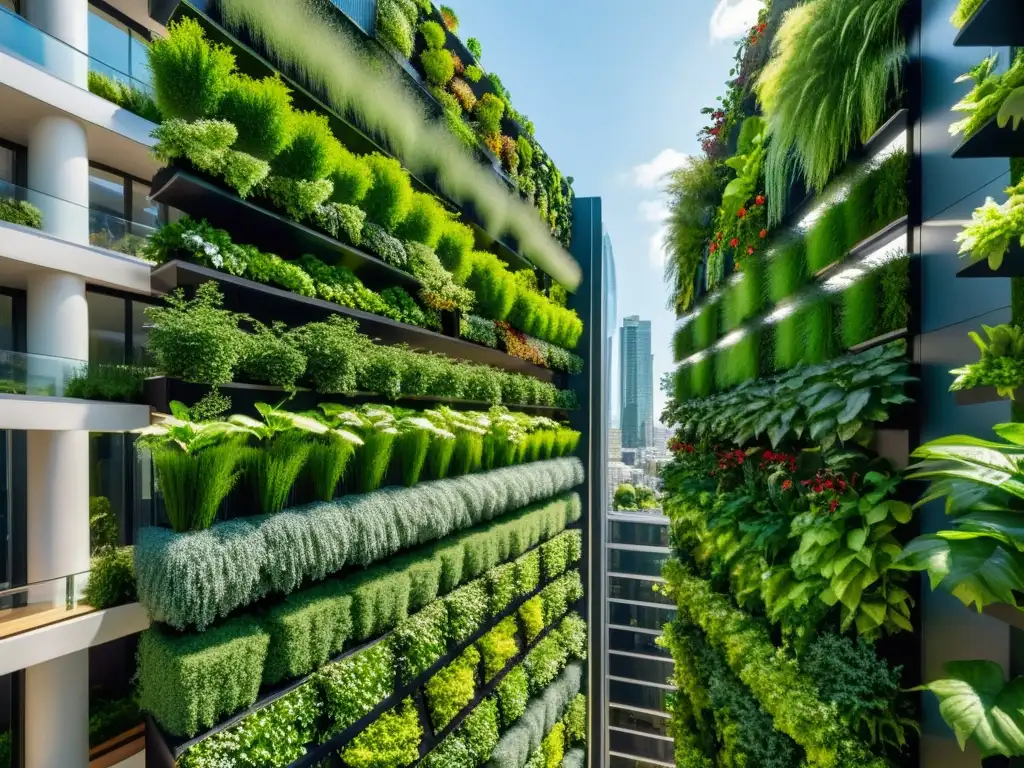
787	484
715	131
714	247
832	505
750	250
733	243
762	26
764	233
718	236
759	200
742	213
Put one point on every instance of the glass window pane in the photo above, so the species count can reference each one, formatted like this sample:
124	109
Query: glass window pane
615	761
106	208
637	721
140	334
644	563
7	165
144	211
649	534
106	328
641	746
108	43
139	53
644	696
107	481
635	642
639	669
637	589
6	523
627	615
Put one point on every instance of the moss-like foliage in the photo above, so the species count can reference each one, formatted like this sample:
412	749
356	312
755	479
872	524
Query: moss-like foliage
705	326
860	305
702	376
827	241
739	362
787	271
894	304
787	342
817	330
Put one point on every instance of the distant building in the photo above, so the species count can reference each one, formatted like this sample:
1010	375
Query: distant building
636	379
614	444
660	437
629	456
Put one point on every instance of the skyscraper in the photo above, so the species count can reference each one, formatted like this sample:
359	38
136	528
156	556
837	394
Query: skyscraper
636	377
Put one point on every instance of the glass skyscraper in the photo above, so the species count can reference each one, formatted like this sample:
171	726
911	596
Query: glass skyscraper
636	378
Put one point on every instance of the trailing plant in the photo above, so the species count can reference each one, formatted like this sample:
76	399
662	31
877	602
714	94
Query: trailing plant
1001	364
826	88
125	95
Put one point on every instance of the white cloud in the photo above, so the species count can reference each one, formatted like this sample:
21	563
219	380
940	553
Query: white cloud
651	175
653	210
732	18
656	248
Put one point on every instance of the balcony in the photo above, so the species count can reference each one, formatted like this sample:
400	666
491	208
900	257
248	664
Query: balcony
40	231
41	76
38	392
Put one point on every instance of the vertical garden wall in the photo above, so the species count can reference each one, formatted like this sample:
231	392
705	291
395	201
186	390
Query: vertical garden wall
849	356
372	469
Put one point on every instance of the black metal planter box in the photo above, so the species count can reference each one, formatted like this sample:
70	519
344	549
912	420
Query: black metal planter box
1012	266
996	23
992	141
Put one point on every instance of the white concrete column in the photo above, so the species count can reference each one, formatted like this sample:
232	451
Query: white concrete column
65	51
58	176
57	713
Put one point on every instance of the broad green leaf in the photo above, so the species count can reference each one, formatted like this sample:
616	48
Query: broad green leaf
977	571
821	427
855	539
856	401
1012	433
831	398
978	704
1012	109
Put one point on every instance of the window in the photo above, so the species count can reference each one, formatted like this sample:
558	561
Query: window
633	668
626	615
7	164
643	563
637	589
637	695
641	746
116	50
106	328
140	335
637	721
144	211
108	515
649	534
635	642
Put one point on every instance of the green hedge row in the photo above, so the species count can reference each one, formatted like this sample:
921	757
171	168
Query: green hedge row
344	692
192	579
301	633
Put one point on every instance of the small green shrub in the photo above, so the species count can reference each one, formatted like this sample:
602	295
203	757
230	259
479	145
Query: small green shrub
544	662
333	350
393	26
390	196
113	383
531	613
513	694
196	340
489	111
788	270
433	34
306	630
503	587
309	154
392	741
261	110
860	303
275	735
125	95
189	682
528	572
575	720
474	47
344	222
553	746
190	75
421	641
438	66
555	556
111	579
424	222
455	248
494	286
467	611
20	212
451	689
351	176
298	198
498	647
827	241
353	687
268	356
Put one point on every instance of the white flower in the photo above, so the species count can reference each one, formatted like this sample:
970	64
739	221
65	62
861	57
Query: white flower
216	259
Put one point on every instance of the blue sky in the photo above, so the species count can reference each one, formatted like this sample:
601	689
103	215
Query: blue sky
615	90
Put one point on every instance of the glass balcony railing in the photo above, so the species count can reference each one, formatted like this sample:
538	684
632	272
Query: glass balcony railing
20	39
22	373
32	606
71	222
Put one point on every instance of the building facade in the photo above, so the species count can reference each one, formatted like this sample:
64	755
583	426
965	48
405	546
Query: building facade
74	290
636	382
